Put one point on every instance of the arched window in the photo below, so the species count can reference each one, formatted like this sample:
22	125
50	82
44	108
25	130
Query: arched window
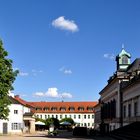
125	60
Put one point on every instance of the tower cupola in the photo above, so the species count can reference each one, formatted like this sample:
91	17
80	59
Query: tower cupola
123	60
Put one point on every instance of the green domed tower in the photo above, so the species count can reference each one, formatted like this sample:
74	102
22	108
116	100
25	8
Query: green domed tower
123	60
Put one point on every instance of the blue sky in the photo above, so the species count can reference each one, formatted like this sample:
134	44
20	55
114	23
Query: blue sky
65	49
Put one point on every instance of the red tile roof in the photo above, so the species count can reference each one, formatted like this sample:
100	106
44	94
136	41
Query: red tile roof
23	102
40	107
67	107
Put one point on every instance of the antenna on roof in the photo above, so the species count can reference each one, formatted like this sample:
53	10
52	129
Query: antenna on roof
62	98
122	46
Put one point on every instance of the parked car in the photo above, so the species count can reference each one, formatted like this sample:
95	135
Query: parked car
80	131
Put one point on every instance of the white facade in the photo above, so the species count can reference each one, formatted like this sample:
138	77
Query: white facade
15	119
82	119
15	123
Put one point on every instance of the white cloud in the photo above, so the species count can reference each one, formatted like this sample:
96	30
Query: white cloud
65	24
53	93
65	70
23	74
15	69
109	56
62	69
39	94
36	72
66	95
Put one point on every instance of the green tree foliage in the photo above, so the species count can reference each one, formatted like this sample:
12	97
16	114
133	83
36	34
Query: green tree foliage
7	77
53	121
70	120
41	120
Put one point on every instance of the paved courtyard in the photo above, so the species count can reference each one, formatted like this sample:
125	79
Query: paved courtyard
62	136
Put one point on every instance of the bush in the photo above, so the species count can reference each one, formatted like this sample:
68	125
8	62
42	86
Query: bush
80	131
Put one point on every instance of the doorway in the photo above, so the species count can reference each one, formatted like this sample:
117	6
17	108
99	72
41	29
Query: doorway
5	128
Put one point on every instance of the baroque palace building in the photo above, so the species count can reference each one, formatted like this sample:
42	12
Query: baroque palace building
119	102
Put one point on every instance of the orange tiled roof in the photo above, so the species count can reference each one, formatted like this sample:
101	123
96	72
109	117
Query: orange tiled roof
23	102
63	107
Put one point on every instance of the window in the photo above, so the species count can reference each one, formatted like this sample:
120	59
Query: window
45	116
84	116
54	108
71	108
70	116
88	116
135	108
81	108
48	116
37	116
124	60
65	116
129	110
46	108
62	108
16	126
90	108
56	116
41	116
85	124
60	116
79	116
74	116
38	108
124	111
92	116
15	111
52	116
88	124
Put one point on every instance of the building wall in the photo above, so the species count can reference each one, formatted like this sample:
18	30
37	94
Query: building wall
15	122
131	95
84	119
15	119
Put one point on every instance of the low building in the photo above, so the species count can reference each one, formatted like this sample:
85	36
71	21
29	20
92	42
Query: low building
19	120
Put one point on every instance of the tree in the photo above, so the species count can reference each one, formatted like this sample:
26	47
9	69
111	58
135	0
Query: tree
7	77
70	120
53	121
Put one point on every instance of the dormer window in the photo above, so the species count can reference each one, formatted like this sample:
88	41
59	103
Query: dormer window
38	108
46	108
71	108
54	109
81	108
90	108
62	108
